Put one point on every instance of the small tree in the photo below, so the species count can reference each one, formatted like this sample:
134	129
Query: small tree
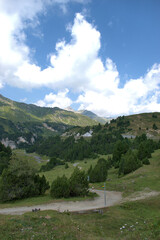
146	161
5	157
41	185
155	126
66	165
20	181
99	172
60	187
51	164
129	163
78	183
144	151
121	147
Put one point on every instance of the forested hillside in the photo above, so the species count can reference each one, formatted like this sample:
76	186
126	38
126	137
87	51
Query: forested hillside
127	154
24	123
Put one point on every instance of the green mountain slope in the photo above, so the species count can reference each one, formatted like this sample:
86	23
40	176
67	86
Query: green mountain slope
30	121
21	112
94	116
148	123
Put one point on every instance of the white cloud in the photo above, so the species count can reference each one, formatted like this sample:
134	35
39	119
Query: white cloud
75	65
1	86
56	100
71	66
14	53
137	95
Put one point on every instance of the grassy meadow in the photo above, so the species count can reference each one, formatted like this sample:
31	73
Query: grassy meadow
139	220
146	178
133	220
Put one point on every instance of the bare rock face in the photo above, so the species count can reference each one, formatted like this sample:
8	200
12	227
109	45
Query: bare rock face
8	143
49	128
21	140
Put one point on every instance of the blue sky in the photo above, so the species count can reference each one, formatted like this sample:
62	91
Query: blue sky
99	55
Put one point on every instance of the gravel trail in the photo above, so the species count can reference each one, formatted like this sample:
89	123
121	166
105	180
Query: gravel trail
112	198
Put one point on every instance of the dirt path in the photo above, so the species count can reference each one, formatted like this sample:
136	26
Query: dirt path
111	199
140	195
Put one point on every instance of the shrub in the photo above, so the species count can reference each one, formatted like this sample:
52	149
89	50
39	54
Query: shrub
76	186
5	156
129	163
99	172
144	150
78	183
155	126
146	161
66	165
121	147
20	181
51	164
60	187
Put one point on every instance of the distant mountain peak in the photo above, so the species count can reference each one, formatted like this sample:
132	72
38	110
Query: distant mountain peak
70	109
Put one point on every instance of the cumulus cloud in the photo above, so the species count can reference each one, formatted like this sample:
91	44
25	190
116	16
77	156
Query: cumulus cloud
137	95
60	100
74	66
15	55
71	66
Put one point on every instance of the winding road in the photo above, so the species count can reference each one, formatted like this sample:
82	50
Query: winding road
112	198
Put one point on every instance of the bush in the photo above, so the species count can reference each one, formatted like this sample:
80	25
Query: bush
5	156
20	181
146	161
51	164
121	147
60	187
78	183
99	172
76	186
145	150
66	165
41	185
155	126
129	163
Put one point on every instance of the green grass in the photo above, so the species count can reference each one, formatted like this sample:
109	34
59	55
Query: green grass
135	220
60	170
21	112
141	122
50	176
144	178
34	159
46	199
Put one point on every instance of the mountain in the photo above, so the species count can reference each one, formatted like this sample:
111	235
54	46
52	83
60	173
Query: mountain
89	114
128	126
22	124
93	116
137	124
25	122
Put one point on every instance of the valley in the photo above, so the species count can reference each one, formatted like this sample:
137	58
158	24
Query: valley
50	143
127	220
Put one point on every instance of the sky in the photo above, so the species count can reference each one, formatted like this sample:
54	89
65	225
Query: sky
98	55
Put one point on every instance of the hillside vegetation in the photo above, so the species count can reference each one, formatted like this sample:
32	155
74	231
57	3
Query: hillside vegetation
130	220
24	123
138	124
21	112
